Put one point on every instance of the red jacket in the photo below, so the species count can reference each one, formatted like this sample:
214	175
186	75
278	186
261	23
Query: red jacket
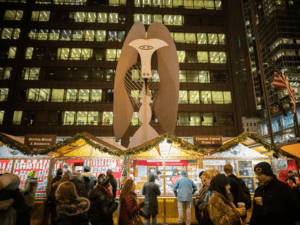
129	208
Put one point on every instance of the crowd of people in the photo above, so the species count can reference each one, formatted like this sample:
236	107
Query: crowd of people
82	199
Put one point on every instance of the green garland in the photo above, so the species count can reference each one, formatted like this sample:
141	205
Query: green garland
243	137
178	141
131	151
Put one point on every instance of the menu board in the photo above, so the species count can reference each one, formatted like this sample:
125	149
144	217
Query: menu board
5	165
245	168
23	167
192	172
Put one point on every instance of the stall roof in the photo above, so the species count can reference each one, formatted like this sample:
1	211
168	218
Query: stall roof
238	152
293	149
249	139
85	144
178	148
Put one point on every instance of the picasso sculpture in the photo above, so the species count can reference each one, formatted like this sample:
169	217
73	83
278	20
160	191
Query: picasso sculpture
160	97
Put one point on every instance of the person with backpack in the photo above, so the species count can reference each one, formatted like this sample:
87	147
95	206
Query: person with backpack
238	189
151	191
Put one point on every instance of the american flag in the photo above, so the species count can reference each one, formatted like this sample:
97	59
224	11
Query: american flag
282	82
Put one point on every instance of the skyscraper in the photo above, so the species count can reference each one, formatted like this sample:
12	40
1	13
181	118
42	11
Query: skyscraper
273	38
58	62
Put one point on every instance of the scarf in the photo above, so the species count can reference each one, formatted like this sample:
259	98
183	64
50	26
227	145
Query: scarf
110	195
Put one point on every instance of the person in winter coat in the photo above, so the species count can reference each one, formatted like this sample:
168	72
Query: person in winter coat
186	188
71	209
199	201
279	205
79	184
30	187
59	175
129	206
102	203
13	209
220	207
113	182
51	200
237	189
151	191
89	179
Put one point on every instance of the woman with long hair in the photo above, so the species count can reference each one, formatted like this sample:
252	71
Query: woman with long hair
220	206
129	206
71	209
51	200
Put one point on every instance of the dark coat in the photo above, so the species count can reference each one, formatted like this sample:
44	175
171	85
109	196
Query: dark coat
114	185
151	191
22	210
8	215
55	179
102	207
74	213
280	205
80	187
89	181
29	190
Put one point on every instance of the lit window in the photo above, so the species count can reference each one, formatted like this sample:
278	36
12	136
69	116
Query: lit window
157	18
201	38
102	18
202	57
213	39
92	17
207	119
181	56
89	35
63	53
195	119
12	52
188	4
84	95
113	17
3	94
31	73
96	95
71	95
13	15
146	19
190	38
183	97
69	118
183	119
194	97
40	16
135	119
100	35
179	37
5	73
182	76
205	97
80	17
107	119
198	4
209	4
1	116
227	97
217	97
57	95
54	34
43	34
218	5
221	39
168	19
204	76
7	33
17	117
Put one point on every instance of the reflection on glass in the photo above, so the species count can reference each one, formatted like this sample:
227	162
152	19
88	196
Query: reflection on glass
194	97
54	34
181	56
212	39
12	52
101	35
71	95
183	99
205	97
135	119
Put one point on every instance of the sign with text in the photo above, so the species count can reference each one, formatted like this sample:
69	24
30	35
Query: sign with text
39	141
208	140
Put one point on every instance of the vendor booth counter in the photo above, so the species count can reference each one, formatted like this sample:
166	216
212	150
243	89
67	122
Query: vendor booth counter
165	161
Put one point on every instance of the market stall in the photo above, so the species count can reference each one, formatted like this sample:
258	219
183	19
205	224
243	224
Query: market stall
165	157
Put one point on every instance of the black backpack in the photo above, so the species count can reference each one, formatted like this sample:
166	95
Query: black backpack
243	192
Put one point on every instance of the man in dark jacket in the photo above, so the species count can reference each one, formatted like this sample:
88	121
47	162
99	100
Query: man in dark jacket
102	204
79	184
113	183
279	205
151	191
59	174
237	185
89	179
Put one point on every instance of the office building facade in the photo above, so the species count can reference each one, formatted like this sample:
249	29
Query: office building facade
59	57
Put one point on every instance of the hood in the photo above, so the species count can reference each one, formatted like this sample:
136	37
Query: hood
219	182
10	181
76	207
283	176
151	178
32	180
88	174
183	173
4	205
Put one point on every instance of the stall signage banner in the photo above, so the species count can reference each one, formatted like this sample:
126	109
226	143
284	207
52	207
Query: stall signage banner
207	140
39	141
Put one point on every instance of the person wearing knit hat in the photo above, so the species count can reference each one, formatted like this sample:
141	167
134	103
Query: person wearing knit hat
79	184
278	205
30	189
102	203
